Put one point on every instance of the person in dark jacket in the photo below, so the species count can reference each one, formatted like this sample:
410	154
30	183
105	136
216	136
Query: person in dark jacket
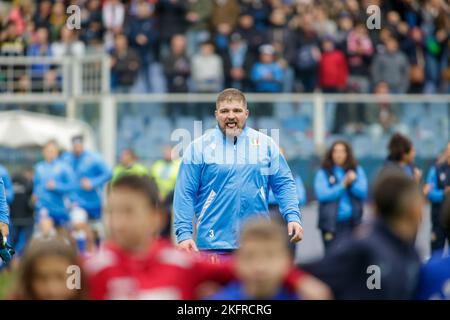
124	64
22	218
379	260
177	65
435	274
341	188
401	157
437	189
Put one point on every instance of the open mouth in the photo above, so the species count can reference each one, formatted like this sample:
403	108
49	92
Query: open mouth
231	125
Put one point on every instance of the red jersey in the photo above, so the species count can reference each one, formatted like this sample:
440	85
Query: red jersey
163	273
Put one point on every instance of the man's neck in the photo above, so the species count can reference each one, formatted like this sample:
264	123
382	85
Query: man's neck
403	230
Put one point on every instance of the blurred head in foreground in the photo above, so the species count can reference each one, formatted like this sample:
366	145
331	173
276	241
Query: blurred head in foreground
50	270
133	212
263	259
399	202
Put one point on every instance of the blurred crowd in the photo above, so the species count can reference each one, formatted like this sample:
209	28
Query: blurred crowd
253	45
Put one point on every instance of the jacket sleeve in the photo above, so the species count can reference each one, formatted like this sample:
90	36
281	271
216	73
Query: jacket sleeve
301	192
324	191
103	174
9	190
66	183
283	185
186	188
360	187
4	211
436	195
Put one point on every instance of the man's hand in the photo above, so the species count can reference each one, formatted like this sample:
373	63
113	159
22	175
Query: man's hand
295	231
86	184
311	288
188	245
4	229
417	174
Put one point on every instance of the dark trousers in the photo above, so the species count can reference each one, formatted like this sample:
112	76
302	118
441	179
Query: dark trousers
330	239
438	236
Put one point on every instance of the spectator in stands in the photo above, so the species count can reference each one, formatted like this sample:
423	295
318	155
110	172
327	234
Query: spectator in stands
91	26
386	244
20	14
43	272
68	44
254	37
359	55
392	67
225	11
125	64
57	20
401	156
129	165
113	15
176	65
267	74
345	25
259	10
307	54
237	62
12	42
42	16
22	210
333	70
222	37
172	20
207	69
198	14
142	36
323	25
413	47
341	188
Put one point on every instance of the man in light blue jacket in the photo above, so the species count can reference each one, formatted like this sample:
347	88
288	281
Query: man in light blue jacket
9	191
224	179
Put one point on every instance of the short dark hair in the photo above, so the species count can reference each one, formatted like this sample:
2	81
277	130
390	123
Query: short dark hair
399	145
142	184
390	191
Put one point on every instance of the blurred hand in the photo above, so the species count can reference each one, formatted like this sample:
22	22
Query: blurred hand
192	16
4	228
447	189
141	39
188	245
86	184
295	231
311	288
426	189
417	174
237	73
349	178
51	185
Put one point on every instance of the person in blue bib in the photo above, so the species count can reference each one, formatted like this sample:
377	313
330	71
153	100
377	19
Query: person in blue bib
7	182
224	179
4	212
341	188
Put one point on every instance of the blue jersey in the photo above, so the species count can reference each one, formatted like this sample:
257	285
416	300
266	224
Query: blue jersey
301	193
9	190
435	279
52	200
235	291
436	195
222	183
88	165
4	211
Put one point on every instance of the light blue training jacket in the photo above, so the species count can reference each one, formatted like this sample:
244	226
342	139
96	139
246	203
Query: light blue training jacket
222	183
4	211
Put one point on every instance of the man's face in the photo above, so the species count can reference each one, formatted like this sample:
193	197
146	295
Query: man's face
50	152
130	219
261	265
127	158
77	148
231	117
50	277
